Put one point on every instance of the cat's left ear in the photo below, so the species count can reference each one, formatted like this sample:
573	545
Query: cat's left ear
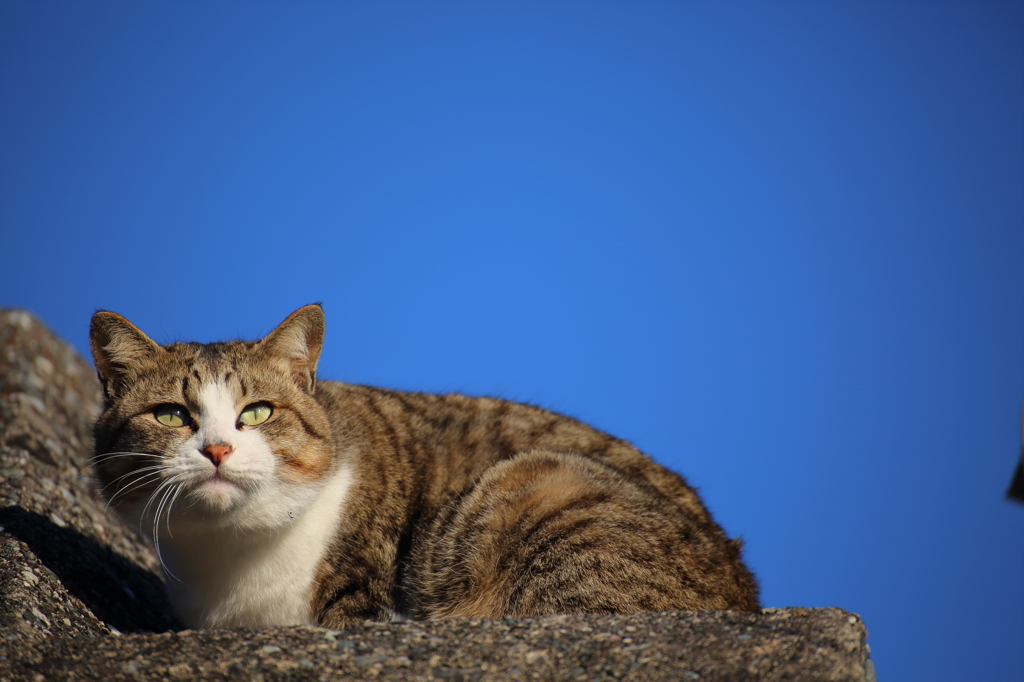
298	340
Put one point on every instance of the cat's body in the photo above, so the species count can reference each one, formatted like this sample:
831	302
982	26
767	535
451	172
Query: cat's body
277	499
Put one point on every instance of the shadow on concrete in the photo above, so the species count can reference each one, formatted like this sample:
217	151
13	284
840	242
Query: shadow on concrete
116	590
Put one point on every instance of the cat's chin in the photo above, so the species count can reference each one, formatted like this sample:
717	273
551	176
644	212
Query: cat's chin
211	496
219	494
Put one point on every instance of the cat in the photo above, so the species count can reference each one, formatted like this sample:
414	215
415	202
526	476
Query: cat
274	498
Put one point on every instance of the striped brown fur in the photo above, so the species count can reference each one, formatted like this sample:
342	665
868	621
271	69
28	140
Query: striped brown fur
459	506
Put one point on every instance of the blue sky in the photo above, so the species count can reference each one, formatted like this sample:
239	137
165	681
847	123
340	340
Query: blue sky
778	246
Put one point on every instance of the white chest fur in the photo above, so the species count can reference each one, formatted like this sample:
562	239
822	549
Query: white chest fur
222	578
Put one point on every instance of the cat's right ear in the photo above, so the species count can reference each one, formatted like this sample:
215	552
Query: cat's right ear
117	346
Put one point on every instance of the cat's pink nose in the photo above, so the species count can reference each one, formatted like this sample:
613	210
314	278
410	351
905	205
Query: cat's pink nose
217	453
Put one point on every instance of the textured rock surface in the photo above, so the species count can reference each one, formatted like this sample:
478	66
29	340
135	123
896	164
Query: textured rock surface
80	596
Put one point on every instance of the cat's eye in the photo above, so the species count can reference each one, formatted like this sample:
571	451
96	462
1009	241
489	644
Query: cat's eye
172	415
255	414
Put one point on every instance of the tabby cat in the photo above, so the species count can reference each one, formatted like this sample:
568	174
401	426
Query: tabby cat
274	498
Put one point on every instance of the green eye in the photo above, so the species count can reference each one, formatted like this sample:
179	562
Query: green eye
257	413
172	415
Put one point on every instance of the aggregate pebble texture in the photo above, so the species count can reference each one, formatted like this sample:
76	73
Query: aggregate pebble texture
81	597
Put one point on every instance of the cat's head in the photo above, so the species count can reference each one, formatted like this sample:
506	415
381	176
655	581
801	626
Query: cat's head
218	435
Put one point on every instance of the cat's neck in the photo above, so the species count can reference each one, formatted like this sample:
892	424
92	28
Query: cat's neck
227	578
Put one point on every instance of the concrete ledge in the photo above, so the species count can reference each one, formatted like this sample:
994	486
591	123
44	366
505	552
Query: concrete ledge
81	597
778	644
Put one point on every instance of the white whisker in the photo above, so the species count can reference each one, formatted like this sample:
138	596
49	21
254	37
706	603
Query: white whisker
164	485
132	473
177	491
167	487
112	455
142	480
